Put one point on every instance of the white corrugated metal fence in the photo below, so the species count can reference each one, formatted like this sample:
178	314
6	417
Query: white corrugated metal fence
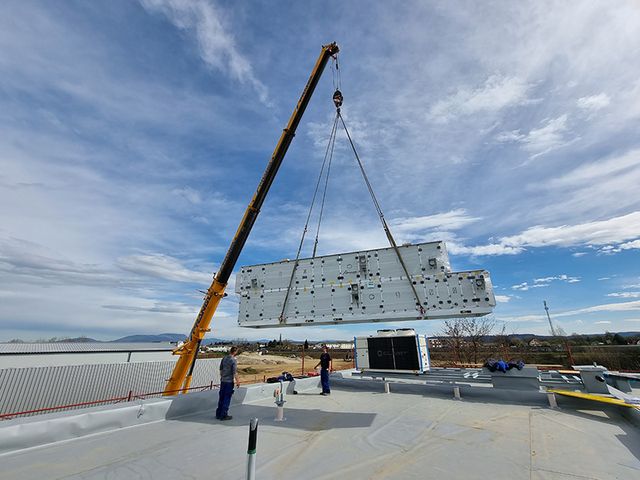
23	389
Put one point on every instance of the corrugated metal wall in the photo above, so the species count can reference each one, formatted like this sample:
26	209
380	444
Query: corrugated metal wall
32	388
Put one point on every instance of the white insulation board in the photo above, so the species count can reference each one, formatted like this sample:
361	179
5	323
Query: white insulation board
366	286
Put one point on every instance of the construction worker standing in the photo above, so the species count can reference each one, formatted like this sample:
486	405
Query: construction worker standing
326	365
228	374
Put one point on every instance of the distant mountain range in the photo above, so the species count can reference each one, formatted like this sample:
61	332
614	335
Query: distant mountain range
179	337
162	337
75	340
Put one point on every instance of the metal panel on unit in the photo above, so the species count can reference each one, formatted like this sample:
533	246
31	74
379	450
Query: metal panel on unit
398	351
365	286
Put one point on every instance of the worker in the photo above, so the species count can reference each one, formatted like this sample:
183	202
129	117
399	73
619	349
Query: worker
228	374
326	366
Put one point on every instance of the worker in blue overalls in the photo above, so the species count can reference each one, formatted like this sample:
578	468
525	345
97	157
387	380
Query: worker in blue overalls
326	366
228	374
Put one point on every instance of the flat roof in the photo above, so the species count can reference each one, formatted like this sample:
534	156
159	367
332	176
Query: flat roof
359	432
81	347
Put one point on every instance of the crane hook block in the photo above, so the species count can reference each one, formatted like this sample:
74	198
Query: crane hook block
337	98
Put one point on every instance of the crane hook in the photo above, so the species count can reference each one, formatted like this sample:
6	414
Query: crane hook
337	99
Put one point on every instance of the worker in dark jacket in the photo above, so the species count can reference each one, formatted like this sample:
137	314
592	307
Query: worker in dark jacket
228	374
326	365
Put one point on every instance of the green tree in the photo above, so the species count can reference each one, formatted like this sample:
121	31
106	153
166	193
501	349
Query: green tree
619	339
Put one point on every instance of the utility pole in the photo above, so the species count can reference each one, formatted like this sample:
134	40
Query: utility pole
564	338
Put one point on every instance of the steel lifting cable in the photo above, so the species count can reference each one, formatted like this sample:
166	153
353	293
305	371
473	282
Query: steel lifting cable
336	87
327	155
387	231
324	193
335	74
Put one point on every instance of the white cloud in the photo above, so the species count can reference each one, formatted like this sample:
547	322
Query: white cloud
510	136
588	173
611	235
602	322
630	245
608	307
22	260
164	267
189	194
157	307
599	232
217	45
585	190
579	254
497	93
525	318
545	282
524	286
542	140
452	220
619	248
594	103
503	298
480	250
563	278
624	294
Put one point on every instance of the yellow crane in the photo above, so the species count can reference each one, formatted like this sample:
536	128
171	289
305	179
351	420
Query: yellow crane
188	351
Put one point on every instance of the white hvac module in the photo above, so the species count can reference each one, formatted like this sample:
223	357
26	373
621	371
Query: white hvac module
398	351
366	286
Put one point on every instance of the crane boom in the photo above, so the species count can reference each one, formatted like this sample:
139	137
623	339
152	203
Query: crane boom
188	351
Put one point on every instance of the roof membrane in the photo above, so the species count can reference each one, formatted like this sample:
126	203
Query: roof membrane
359	432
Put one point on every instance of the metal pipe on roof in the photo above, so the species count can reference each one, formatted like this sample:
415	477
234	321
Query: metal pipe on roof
251	450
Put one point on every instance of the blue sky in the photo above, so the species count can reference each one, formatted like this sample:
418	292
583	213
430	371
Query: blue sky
133	134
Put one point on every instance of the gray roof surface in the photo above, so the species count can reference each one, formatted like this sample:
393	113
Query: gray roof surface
81	347
359	432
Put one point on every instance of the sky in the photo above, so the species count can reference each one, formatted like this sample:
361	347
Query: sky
133	135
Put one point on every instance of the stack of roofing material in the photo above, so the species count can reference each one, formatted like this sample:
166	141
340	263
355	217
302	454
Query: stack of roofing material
364	286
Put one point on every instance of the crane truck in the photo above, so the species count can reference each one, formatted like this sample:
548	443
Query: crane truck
180	379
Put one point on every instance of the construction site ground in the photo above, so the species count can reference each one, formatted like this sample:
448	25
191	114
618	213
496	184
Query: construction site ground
255	368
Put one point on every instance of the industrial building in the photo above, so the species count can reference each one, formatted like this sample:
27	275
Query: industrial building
40	377
21	355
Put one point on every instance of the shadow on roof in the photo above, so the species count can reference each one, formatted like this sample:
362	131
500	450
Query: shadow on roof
298	418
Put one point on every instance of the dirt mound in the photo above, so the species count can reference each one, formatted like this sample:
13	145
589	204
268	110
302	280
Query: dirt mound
250	358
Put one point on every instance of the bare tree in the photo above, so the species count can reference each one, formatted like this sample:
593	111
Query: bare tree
475	331
453	333
502	340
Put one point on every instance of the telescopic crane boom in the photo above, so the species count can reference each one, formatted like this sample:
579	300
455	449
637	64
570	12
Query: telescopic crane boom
181	375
